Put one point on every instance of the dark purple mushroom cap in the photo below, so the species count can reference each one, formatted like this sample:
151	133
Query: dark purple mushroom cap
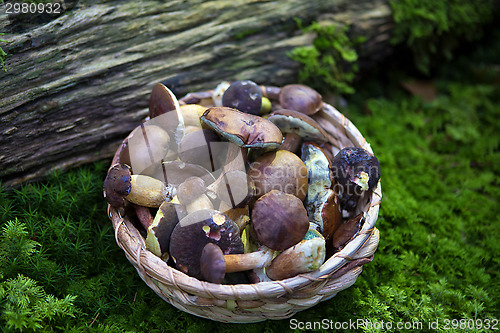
212	263
164	111
117	185
245	96
300	98
356	171
279	220
194	231
161	101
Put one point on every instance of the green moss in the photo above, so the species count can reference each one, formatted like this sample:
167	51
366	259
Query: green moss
245	33
329	64
433	30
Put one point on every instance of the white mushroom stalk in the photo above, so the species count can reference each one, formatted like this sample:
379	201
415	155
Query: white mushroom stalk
215	264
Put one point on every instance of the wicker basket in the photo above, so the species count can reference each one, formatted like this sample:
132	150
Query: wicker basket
247	303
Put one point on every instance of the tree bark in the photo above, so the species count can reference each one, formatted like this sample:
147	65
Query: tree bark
76	84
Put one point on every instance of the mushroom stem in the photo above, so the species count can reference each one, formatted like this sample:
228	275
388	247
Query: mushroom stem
214	264
202	202
148	191
248	261
236	158
144	215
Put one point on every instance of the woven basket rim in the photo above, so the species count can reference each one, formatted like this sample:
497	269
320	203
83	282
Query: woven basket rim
130	240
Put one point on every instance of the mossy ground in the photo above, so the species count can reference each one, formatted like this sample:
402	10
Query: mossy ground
438	258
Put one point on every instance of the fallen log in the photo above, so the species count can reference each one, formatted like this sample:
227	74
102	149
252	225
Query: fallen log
77	83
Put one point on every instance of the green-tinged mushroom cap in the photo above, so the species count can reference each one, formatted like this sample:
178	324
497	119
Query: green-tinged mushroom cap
290	121
320	176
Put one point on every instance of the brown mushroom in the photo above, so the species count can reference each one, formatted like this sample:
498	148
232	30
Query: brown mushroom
245	130
271	92
194	231
300	98
190	190
203	98
215	264
191	194
144	216
279	220
279	170
244	95
357	173
346	231
253	131
164	111
234	187
121	185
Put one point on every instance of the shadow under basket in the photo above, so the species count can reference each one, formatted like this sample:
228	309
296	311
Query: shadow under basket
246	303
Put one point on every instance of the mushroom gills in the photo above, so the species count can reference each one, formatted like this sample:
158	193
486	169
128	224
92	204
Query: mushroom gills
325	212
318	169
289	121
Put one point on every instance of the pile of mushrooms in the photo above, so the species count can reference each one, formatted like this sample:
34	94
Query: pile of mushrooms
240	184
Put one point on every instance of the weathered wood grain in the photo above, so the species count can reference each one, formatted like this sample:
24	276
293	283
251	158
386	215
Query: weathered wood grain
77	84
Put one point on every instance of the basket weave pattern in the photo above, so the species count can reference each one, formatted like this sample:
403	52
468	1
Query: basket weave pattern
265	300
